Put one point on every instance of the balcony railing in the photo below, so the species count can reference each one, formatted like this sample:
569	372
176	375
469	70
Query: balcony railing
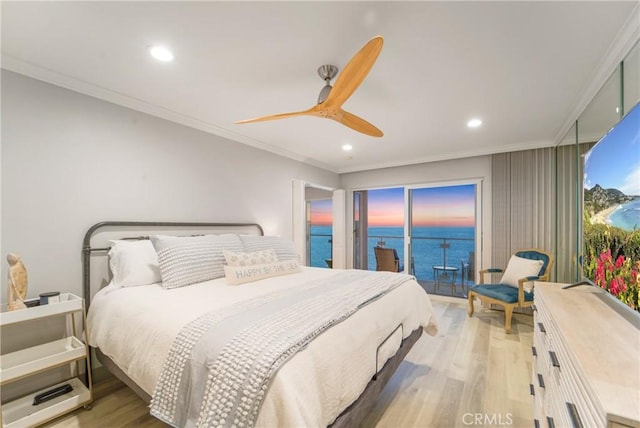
427	252
320	249
442	252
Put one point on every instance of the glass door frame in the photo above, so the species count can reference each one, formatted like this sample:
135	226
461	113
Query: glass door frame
360	228
360	231
478	217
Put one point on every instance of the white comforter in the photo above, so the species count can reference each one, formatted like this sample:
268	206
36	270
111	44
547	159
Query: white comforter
135	327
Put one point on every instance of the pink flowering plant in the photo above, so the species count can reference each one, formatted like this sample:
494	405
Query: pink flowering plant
620	277
612	261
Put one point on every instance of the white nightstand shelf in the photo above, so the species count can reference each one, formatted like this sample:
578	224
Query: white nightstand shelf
29	361
68	303
36	359
22	412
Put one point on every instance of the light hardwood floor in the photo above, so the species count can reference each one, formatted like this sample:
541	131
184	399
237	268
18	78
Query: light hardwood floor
470	374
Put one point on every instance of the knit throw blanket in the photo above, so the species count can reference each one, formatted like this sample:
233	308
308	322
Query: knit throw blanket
220	365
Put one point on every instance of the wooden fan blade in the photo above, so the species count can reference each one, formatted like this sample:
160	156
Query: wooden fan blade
354	73
310	111
357	123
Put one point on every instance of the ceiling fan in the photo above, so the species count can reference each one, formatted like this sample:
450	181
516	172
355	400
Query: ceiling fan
331	99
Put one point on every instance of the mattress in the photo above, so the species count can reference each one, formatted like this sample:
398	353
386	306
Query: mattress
135	327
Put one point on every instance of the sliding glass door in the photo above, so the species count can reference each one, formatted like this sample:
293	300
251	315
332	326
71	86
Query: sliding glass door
433	228
442	234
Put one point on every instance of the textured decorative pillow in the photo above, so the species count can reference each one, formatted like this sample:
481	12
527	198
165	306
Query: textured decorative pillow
188	260
261	257
160	242
284	248
519	268
241	274
133	263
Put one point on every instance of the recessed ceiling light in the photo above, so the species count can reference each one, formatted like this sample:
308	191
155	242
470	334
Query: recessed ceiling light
161	53
474	123
347	147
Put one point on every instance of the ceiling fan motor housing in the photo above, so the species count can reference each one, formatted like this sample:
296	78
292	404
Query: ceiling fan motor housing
327	73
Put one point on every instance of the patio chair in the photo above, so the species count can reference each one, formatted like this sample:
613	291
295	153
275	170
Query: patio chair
467	269
387	259
515	288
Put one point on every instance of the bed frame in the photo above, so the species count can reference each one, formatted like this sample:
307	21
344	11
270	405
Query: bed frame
96	245
94	253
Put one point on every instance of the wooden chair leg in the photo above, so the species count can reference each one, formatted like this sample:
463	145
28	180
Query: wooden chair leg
470	304
508	312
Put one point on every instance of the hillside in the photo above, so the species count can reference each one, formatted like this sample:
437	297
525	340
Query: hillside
598	199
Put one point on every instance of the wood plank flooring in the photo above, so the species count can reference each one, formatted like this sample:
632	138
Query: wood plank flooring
470	374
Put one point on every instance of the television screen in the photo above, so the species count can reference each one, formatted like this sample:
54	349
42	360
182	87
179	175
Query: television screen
611	222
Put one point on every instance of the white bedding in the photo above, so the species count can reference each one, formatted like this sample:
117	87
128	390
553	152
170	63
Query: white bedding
135	327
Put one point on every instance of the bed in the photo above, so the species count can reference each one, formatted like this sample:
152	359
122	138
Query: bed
331	378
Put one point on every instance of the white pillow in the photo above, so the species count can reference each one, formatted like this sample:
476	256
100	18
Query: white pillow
188	260
241	258
284	248
133	263
519	268
240	274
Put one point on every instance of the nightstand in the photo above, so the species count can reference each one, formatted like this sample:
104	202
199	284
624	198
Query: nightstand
70	350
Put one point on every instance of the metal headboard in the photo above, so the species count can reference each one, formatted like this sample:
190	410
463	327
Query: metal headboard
142	230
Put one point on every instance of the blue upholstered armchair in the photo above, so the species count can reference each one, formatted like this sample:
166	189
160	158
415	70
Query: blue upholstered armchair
515	288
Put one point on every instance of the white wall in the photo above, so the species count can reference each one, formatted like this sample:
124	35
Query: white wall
428	173
70	160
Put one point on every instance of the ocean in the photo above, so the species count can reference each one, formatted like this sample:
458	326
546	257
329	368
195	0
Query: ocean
627	216
426	246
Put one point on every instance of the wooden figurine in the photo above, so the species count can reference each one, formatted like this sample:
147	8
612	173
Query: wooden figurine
17	282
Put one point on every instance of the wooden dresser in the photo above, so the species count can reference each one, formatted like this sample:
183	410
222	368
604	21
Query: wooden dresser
586	363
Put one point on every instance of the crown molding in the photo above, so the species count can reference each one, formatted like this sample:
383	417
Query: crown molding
516	147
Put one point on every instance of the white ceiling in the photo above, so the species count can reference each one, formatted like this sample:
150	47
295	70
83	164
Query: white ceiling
524	68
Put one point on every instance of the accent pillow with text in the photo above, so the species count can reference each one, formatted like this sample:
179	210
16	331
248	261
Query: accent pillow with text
242	258
241	274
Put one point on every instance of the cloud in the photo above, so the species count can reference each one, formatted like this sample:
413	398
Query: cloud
631	185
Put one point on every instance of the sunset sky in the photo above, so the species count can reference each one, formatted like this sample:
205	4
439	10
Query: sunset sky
321	212
435	206
444	206
386	207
